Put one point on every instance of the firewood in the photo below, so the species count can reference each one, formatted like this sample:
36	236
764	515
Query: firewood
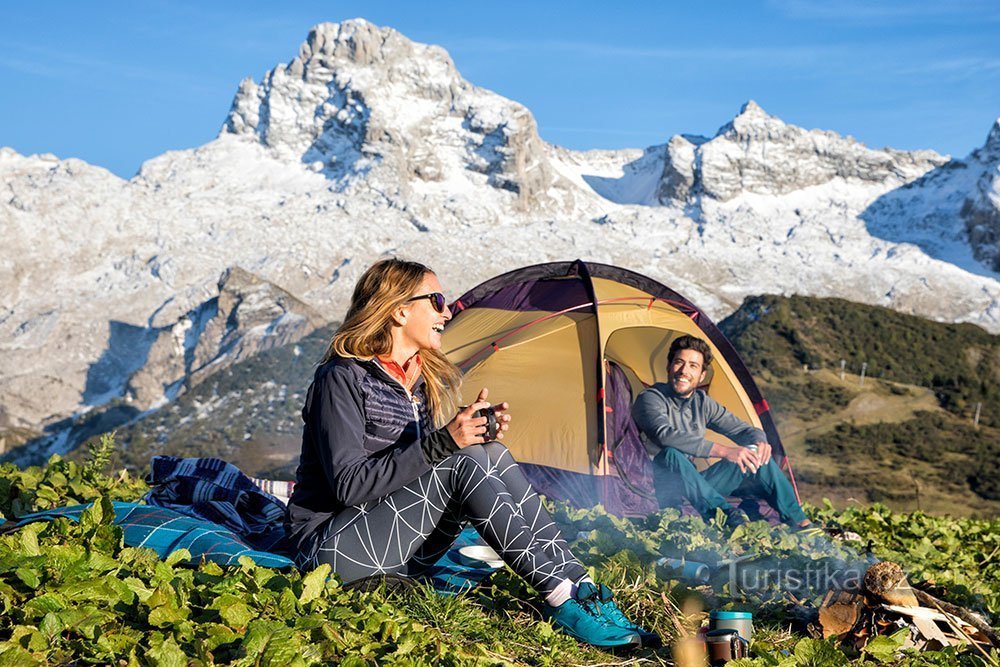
886	581
964	614
839	613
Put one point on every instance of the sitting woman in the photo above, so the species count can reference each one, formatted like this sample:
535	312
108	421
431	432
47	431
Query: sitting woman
385	484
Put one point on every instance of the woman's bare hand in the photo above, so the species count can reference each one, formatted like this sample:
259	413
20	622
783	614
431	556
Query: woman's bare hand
467	429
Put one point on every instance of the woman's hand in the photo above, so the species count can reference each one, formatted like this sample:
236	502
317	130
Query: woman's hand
467	429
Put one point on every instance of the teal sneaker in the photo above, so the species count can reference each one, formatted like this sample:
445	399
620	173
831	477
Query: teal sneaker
583	620
606	602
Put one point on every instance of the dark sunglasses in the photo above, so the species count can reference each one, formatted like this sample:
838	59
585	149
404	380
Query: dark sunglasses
437	300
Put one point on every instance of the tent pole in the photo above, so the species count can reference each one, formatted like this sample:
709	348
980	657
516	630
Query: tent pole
791	475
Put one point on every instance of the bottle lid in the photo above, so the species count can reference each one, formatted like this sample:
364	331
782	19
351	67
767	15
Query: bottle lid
730	615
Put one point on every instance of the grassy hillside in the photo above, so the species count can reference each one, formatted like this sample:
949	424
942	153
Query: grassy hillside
959	362
905	436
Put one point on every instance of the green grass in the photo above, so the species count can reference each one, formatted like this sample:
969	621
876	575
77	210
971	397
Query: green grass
72	593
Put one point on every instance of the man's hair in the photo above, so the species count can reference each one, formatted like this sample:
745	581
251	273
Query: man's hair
690	343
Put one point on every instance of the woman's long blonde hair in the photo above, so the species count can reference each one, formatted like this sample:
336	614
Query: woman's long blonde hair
367	330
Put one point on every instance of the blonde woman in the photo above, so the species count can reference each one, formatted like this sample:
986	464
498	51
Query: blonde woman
386	481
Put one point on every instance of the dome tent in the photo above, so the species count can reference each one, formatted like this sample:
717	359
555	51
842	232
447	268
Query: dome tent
569	345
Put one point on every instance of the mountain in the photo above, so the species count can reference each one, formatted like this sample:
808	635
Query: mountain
366	144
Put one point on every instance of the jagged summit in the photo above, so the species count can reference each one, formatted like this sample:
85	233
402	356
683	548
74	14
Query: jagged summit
981	210
750	120
364	101
761	154
990	151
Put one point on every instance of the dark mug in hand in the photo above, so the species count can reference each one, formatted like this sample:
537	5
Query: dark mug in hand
492	424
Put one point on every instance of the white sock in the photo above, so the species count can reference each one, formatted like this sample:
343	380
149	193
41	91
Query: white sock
565	591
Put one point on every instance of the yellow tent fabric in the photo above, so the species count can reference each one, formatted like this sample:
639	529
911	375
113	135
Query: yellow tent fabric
538	338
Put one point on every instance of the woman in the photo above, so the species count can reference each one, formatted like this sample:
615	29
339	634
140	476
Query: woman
385	483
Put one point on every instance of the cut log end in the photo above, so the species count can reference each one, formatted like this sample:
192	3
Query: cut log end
882	577
886	581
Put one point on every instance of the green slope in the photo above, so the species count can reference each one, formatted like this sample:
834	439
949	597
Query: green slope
905	436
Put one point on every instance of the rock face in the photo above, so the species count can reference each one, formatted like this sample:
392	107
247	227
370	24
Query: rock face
982	210
368	145
758	153
358	96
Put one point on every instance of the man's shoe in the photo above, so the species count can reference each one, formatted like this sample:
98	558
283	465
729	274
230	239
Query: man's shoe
583	620
613	613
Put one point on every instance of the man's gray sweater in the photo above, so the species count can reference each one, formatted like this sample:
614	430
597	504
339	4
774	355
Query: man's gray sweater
668	420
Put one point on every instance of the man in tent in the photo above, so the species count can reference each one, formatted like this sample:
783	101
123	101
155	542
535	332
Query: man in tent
673	416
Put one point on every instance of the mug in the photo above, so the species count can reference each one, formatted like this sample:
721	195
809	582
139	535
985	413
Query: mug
724	645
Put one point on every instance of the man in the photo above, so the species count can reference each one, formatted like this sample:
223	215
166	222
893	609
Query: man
673	416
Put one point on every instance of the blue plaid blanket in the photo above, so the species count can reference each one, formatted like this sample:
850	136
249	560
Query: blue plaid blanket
212	489
165	531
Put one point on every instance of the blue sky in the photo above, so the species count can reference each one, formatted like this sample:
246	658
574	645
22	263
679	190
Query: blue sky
116	83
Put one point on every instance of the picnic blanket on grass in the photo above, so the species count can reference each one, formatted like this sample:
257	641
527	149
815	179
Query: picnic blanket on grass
218	491
165	531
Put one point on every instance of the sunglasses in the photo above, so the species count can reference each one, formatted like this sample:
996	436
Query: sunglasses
436	298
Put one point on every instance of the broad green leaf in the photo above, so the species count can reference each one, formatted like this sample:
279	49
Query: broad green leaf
96	514
284	649
29	538
51	626
167	654
28	576
167	615
287	603
44	604
258	635
817	653
216	634
164	594
234	611
15	656
314	583
884	647
179	556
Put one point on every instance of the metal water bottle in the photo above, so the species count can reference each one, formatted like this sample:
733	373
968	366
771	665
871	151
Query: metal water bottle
753	468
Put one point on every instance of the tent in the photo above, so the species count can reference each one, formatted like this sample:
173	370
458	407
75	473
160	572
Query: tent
569	345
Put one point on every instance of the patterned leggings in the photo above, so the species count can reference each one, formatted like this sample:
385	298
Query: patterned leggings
408	530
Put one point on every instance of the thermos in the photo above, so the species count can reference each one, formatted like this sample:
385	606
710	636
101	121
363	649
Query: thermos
688	569
753	469
740	621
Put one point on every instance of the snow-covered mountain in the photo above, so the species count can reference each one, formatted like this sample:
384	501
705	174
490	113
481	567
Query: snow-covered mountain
367	144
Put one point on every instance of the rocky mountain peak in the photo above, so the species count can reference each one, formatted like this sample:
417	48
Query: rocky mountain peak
990	151
752	122
361	99
981	211
761	154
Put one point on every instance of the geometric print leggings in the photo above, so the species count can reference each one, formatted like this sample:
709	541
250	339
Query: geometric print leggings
408	530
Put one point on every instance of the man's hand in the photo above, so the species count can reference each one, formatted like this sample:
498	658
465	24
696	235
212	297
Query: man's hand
466	429
763	453
741	456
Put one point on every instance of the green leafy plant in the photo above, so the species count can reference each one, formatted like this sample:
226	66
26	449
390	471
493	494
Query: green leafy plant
73	593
